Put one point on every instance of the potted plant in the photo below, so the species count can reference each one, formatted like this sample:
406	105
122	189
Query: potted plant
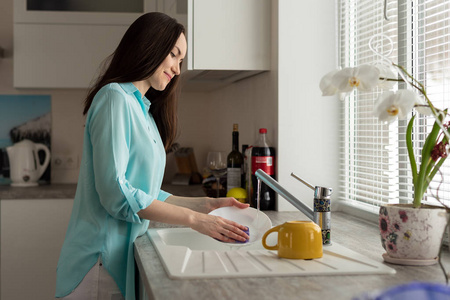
412	233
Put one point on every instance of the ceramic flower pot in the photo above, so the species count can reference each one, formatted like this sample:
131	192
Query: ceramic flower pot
411	236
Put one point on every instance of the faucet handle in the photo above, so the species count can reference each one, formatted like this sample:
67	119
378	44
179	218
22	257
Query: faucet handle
303	181
319	192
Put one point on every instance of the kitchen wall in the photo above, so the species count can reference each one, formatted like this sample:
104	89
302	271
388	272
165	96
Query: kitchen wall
301	123
308	124
67	121
205	118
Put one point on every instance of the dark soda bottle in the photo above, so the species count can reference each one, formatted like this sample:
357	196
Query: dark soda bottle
263	157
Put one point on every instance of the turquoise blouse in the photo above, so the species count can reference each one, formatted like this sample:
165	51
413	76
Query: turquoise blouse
121	173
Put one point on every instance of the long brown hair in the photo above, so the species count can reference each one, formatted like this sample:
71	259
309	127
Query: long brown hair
145	45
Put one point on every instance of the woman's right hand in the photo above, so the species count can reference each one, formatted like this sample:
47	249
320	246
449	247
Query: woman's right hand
219	228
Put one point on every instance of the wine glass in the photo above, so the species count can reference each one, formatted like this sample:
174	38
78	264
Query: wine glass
217	164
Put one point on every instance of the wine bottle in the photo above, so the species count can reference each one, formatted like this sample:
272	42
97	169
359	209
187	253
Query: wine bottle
244	167
248	173
235	162
263	157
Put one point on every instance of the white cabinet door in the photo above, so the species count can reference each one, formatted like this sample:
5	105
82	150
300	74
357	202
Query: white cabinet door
230	35
61	56
228	40
32	234
64	49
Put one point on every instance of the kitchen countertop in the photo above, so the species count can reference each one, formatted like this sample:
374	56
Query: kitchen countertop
367	242
348	231
67	191
44	191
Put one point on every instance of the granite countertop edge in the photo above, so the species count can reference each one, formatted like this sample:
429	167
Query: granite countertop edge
67	191
43	191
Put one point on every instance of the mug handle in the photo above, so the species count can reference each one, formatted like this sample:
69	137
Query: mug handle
276	228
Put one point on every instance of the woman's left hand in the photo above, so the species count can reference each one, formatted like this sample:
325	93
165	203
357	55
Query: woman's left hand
215	203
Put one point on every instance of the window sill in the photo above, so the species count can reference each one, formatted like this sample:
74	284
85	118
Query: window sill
369	213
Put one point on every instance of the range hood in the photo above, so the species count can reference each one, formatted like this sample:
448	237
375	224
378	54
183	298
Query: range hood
209	80
228	40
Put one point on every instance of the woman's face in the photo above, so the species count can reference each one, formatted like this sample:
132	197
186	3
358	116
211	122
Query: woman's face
170	67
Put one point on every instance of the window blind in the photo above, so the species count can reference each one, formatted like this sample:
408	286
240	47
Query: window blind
374	161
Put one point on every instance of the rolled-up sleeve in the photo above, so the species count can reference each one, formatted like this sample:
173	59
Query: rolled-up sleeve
109	128
163	195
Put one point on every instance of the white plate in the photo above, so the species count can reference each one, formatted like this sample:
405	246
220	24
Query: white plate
258	223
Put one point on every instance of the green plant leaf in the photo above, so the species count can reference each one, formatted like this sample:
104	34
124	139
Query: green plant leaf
435	169
409	145
421	184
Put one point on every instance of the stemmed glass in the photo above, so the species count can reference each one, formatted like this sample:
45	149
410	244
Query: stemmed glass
217	164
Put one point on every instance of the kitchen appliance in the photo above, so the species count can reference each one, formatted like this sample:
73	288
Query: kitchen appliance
25	166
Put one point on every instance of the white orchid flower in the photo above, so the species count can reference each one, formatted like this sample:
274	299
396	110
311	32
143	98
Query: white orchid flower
326	85
364	78
386	72
391	106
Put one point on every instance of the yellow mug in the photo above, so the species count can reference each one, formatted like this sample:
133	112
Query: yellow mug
297	239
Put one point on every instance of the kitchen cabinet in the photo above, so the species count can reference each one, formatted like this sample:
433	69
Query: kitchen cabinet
61	55
228	40
32	234
64	49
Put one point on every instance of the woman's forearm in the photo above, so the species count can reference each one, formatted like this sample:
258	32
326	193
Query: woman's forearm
199	204
168	213
204	204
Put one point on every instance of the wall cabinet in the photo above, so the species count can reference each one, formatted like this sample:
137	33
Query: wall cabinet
64	49
61	55
32	234
227	40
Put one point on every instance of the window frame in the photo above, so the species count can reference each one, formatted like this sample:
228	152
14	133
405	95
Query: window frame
407	35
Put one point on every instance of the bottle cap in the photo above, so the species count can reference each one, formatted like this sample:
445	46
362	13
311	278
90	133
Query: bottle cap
235	127
262	130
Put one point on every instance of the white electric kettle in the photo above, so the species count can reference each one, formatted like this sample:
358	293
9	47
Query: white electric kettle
25	167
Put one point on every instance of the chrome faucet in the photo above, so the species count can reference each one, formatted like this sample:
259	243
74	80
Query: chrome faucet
321	215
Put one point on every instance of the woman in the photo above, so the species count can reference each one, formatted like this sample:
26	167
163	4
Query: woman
125	139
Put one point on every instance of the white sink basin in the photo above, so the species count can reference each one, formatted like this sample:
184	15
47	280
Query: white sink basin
195	241
187	254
